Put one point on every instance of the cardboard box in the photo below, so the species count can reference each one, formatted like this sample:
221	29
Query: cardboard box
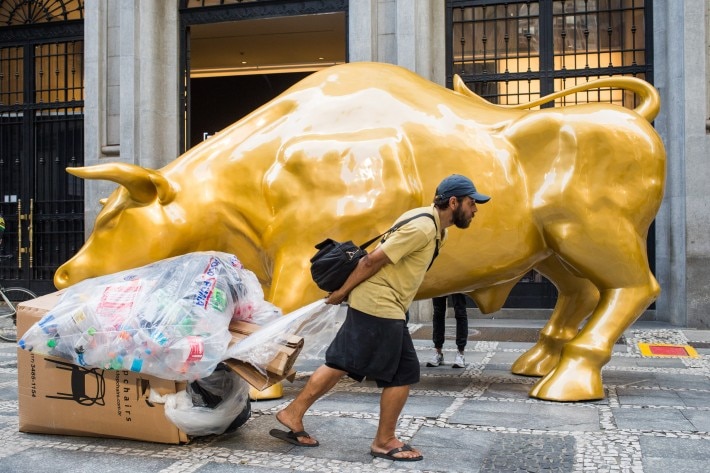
58	397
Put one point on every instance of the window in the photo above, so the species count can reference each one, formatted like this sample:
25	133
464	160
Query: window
22	12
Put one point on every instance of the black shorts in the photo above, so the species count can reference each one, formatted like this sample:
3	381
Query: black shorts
374	348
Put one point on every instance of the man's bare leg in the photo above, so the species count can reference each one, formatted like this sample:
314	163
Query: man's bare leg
392	402
320	382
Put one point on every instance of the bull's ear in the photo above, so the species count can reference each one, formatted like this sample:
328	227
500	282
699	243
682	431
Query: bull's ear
460	86
143	185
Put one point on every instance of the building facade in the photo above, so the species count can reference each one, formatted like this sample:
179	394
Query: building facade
142	61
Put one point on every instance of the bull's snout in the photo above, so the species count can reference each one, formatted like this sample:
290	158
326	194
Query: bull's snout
61	278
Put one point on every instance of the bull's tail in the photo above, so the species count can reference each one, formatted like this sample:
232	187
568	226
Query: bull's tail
648	107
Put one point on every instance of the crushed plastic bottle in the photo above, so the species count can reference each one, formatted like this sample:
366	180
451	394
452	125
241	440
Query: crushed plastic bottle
184	352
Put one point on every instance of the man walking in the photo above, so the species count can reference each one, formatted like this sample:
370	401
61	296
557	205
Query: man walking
374	341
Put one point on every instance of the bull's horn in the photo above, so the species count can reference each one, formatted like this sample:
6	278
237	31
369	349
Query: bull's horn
143	185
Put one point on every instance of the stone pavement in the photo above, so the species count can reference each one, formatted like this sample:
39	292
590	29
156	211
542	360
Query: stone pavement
655	418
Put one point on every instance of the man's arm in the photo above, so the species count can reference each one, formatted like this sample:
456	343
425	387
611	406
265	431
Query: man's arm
366	267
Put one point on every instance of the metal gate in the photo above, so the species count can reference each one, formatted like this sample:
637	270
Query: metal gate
516	51
41	133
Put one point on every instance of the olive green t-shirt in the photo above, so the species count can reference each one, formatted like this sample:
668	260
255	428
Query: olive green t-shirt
389	292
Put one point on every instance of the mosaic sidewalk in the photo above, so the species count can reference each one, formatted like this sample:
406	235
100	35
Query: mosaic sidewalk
655	418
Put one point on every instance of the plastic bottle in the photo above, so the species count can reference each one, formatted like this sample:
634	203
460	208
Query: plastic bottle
84	341
85	320
48	324
139	361
82	327
96	355
38	341
184	352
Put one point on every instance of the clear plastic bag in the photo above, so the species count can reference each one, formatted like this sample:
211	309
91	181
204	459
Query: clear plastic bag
169	319
209	406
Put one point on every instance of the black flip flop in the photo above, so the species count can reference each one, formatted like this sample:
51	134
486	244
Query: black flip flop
292	437
390	455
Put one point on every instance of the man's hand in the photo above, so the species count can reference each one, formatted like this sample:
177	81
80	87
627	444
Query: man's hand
335	298
366	267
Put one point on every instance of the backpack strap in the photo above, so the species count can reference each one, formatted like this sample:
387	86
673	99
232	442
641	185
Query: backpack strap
403	222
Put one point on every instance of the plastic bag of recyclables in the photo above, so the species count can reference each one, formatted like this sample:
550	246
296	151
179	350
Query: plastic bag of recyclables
171	319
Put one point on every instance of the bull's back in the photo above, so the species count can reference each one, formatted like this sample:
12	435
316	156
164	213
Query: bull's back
353	97
361	130
344	152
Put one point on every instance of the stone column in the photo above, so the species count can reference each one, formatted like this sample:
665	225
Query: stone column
131	75
697	170
410	33
421	38
682	225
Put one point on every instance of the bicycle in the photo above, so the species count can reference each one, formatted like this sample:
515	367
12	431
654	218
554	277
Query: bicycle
10	297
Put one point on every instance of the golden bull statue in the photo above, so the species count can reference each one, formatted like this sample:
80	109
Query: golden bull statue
346	150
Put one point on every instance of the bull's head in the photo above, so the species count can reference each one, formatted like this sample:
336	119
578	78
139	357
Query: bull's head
139	204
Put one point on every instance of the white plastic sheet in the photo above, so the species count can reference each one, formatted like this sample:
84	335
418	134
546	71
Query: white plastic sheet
208	406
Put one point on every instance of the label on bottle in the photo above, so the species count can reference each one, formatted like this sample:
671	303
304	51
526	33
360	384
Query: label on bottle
197	349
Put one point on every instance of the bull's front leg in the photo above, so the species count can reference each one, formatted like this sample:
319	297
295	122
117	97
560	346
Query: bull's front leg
575	302
291	284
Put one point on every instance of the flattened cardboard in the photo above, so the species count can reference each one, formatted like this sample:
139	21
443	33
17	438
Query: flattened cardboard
58	397
278	369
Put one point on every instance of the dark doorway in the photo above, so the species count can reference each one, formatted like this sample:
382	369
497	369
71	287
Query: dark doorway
238	56
217	102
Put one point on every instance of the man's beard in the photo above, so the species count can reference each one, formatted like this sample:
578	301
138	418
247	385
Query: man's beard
460	219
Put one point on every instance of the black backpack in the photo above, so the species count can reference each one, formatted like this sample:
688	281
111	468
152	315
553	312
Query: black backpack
334	261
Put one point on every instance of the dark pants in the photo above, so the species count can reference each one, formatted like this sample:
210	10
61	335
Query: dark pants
459	301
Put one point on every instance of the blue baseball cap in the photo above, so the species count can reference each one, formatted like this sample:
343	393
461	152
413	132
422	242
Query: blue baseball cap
457	185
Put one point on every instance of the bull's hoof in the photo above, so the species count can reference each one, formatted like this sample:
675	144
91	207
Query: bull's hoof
570	381
538	361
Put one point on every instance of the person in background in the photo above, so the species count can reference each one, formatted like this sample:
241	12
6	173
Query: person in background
374	341
439	328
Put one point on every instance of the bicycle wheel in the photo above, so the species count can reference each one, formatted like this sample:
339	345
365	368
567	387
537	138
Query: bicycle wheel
8	313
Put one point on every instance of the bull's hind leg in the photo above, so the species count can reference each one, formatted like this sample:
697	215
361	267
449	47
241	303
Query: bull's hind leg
575	302
616	262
